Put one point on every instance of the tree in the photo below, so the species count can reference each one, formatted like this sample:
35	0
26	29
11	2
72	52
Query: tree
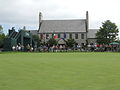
1	29
36	39
52	42
2	37
70	43
107	33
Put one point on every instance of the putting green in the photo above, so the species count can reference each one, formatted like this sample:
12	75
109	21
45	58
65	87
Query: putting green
60	71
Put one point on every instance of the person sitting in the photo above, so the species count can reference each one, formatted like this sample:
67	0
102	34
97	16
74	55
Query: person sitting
13	48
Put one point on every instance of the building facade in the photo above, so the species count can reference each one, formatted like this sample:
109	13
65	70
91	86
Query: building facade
61	30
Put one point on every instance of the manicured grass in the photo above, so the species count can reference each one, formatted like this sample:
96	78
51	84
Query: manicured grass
60	71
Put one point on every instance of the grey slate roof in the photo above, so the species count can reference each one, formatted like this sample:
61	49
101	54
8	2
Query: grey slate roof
34	32
92	33
50	26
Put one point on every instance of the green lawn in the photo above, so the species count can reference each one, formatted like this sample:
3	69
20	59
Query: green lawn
60	71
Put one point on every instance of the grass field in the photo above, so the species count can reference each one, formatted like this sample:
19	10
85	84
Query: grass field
60	71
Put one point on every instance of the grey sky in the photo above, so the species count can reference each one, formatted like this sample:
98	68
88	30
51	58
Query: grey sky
25	12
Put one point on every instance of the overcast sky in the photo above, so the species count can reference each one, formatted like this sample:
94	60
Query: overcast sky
21	13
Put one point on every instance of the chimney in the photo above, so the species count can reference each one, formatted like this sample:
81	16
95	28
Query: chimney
40	19
87	27
87	21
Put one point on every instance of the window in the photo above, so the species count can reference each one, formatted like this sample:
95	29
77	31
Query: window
76	36
58	35
64	35
82	36
41	36
70	36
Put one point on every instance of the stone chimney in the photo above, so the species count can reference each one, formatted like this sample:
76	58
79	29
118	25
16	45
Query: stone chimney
87	21
87	26
40	19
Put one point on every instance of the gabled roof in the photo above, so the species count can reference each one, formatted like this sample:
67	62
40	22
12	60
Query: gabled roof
50	26
92	33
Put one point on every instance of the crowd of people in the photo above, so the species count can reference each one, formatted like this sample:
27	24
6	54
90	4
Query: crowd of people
64	48
20	47
104	48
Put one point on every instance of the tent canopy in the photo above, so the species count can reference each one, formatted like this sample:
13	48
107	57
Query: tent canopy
114	43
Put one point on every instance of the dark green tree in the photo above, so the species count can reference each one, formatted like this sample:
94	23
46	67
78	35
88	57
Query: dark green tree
52	42
107	33
1	29
70	43
2	37
37	40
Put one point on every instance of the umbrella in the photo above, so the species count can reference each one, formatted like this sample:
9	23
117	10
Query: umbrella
114	43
